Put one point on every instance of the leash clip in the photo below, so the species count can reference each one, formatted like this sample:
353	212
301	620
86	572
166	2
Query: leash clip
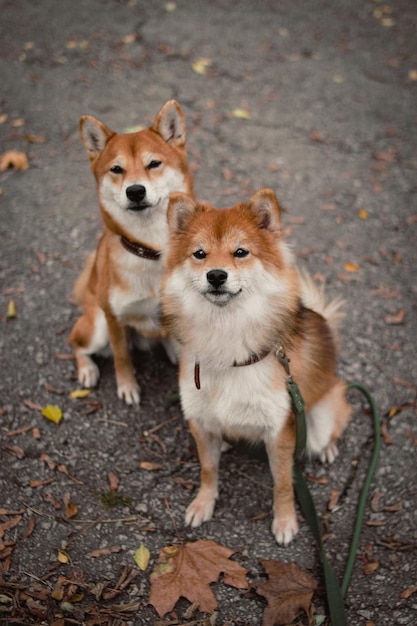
285	362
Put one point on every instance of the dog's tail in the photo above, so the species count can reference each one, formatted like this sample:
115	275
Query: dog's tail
315	298
80	285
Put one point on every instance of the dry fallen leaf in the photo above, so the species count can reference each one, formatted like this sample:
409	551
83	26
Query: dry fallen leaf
396	319
63	557
187	570
334	498
39	139
351	267
407	592
150	467
241	114
289	590
46	459
32	405
16	450
129	38
184	483
142	557
113	481
370	567
11	309
11	523
80	393
13	160
105	551
200	65
71	508
29	529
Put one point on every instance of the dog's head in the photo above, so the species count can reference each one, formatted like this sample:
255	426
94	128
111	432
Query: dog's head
136	172
226	256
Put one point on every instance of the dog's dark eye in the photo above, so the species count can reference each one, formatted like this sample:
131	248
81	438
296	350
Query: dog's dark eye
154	164
116	169
199	254
240	253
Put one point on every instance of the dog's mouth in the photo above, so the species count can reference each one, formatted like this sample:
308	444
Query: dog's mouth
220	297
135	207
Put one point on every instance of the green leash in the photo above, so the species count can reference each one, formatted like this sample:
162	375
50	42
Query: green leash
335	593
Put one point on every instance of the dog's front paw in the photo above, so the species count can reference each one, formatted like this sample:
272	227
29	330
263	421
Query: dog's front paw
329	453
200	510
88	372
285	529
129	392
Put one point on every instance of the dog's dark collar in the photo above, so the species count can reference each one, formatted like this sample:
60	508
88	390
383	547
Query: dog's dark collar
139	249
253	358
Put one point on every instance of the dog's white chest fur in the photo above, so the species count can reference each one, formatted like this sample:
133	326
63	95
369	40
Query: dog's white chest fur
237	401
137	297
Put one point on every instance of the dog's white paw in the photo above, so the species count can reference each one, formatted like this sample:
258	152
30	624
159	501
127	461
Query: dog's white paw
129	392
88	373
200	510
329	453
285	529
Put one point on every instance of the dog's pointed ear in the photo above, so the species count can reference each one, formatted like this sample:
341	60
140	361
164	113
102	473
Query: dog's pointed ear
264	204
170	124
94	135
181	208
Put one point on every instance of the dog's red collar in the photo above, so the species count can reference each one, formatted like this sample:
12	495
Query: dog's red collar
254	358
139	249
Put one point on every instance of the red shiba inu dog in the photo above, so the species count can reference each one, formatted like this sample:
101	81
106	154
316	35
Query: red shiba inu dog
232	296
120	285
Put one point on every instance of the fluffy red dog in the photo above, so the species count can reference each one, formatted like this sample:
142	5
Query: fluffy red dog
120	285
232	296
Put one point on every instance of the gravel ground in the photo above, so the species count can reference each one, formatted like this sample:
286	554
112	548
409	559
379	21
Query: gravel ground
318	101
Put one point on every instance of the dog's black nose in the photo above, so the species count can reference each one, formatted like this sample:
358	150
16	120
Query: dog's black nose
216	278
136	193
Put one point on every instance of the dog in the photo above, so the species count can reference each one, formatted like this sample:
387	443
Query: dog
232	295
120	284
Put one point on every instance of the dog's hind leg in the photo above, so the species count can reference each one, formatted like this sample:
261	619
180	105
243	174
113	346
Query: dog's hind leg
89	336
209	450
326	421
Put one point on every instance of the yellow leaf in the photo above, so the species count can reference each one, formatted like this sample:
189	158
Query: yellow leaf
52	413
80	393
142	557
388	22
351	267
241	114
11	309
78	597
134	129
170	7
412	74
200	65
62	557
363	214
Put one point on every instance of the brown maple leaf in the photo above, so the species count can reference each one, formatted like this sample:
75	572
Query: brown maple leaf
288	590
187	570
